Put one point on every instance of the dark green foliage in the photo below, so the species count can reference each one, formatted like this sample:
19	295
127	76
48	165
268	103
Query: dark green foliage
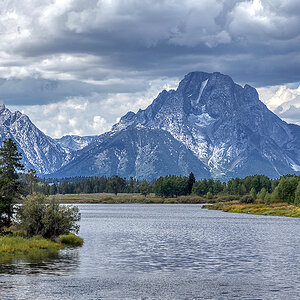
10	186
200	188
262	194
247	199
115	184
297	194
286	188
38	216
253	193
170	186
145	188
258	186
218	187
191	182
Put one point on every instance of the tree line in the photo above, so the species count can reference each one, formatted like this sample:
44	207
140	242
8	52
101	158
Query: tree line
14	185
248	189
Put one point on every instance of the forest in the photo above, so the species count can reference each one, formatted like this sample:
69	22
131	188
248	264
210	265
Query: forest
246	190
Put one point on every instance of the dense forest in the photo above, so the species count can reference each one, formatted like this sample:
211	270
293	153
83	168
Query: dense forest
286	188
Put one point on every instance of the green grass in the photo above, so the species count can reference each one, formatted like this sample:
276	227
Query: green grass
71	240
20	245
274	209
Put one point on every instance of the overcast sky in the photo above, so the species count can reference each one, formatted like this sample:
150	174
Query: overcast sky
75	67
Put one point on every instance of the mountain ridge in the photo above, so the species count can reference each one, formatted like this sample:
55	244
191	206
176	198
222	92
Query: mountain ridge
223	124
209	125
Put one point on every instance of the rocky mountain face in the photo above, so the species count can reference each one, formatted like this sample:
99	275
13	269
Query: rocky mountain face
139	152
72	143
39	151
209	124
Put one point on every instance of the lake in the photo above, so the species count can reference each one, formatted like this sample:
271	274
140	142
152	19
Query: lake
135	251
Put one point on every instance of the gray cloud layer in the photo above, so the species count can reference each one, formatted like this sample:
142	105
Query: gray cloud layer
55	50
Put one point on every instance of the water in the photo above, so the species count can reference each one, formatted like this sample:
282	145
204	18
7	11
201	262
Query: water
165	252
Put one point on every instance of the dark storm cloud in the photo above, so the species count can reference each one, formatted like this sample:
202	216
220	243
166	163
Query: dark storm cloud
254	41
74	48
31	91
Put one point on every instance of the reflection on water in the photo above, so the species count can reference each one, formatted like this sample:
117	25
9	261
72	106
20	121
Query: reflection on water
164	251
42	263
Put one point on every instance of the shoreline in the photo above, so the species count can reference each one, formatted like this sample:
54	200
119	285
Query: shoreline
14	245
273	209
127	198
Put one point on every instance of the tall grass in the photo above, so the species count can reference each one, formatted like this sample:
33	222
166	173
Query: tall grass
21	245
71	240
274	209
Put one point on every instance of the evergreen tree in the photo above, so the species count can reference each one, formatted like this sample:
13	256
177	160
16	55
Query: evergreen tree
191	181
116	184
297	194
10	186
145	188
32	178
253	193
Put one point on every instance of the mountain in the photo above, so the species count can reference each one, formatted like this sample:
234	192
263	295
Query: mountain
72	143
39	151
138	152
209	124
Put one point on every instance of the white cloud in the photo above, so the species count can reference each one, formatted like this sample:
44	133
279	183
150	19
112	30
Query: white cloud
91	115
119	54
283	100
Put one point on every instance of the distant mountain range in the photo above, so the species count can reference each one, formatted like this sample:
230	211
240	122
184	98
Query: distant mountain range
209	125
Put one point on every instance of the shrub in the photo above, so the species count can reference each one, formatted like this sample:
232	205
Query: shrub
209	195
286	189
268	199
261	195
247	199
71	239
297	194
37	216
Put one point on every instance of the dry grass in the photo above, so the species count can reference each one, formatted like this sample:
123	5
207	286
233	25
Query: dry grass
274	209
128	198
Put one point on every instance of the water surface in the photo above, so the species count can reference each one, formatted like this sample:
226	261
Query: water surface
153	251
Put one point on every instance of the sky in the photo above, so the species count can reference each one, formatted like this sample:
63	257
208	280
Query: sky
75	67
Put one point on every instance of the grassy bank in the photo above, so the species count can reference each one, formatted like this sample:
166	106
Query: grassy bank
275	209
128	198
20	245
16	245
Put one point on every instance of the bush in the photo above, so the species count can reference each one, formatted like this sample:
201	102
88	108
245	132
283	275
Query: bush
37	216
268	199
247	199
71	239
209	195
297	194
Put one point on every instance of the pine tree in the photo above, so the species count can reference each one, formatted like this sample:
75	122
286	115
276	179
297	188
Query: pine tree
191	181
297	194
10	186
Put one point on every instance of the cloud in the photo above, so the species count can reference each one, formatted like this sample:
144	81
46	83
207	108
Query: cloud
90	115
104	51
109	39
283	101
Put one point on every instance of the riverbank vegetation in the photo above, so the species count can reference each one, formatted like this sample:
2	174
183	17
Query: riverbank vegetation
253	194
39	223
274	209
